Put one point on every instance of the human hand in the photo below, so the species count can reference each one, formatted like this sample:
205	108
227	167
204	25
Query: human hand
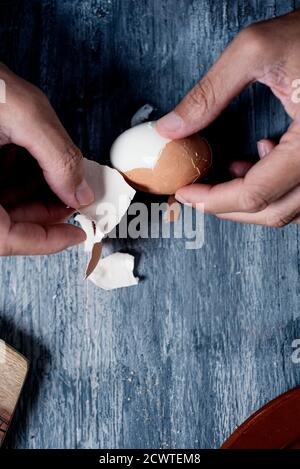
35	226
268	192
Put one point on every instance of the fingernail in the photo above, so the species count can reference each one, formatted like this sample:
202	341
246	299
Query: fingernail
84	193
262	149
170	122
180	199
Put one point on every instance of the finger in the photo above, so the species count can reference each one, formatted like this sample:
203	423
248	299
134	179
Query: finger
240	168
37	212
34	239
31	238
5	224
277	215
31	122
38	129
236	68
216	199
264	147
268	180
62	164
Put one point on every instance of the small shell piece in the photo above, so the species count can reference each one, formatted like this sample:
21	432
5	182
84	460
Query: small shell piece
112	198
114	271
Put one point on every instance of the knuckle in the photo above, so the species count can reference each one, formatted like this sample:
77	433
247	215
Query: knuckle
253	38
276	219
252	200
202	95
31	103
37	97
38	93
71	157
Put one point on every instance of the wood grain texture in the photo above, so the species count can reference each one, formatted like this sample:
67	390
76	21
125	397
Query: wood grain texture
13	371
205	339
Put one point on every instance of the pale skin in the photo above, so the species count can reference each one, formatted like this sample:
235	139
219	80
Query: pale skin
268	192
33	225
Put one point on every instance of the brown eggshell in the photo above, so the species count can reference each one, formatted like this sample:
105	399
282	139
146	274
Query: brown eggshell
181	162
172	213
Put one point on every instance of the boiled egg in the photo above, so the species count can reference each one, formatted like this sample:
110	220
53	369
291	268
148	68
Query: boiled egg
155	164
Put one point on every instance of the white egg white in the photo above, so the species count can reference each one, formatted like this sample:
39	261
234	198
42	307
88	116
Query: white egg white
138	147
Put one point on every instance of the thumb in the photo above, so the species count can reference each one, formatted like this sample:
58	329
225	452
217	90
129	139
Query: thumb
43	135
232	72
30	121
62	164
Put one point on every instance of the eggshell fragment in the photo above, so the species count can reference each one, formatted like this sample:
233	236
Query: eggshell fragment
94	259
88	227
152	163
114	271
90	246
141	115
112	198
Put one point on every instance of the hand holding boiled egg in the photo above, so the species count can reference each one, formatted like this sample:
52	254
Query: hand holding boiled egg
268	192
167	157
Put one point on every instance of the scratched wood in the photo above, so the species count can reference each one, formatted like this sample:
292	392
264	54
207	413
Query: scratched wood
13	371
206	338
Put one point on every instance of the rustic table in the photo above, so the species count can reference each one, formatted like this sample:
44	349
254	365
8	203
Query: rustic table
206	338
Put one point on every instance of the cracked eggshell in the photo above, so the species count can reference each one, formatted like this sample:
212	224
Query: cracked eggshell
95	257
112	198
114	271
89	228
152	163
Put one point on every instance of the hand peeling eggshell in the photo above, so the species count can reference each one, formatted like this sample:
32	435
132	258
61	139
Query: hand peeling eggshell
114	271
112	198
152	163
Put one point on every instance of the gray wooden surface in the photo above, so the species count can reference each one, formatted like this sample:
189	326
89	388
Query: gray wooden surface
205	339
